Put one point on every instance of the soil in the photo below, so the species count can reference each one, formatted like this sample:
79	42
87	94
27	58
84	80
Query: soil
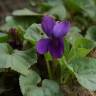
7	6
9	84
76	90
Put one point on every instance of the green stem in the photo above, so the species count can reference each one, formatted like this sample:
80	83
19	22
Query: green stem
49	70
65	64
67	78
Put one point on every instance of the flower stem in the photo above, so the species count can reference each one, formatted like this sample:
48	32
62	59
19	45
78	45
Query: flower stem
70	72
49	70
67	78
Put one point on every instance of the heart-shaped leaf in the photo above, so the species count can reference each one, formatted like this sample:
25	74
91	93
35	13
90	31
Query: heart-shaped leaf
85	72
87	7
25	12
19	61
59	11
28	85
34	33
91	33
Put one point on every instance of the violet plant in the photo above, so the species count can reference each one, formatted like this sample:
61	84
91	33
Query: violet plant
26	51
66	50
55	41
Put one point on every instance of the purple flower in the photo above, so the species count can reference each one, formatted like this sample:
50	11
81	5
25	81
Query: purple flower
55	31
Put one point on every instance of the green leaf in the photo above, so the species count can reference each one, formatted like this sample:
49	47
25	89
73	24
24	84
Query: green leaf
28	85
59	11
29	55
54	7
81	48
72	5
3	37
67	47
84	43
64	64
10	21
35	91
75	29
77	52
73	35
91	33
25	12
47	92
16	63
85	72
51	85
87	7
80	45
53	2
95	2
5	48
34	33
17	21
66	70
23	21
26	82
19	61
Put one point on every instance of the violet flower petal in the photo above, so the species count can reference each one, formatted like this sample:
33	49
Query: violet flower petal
47	25
56	48
61	29
42	46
